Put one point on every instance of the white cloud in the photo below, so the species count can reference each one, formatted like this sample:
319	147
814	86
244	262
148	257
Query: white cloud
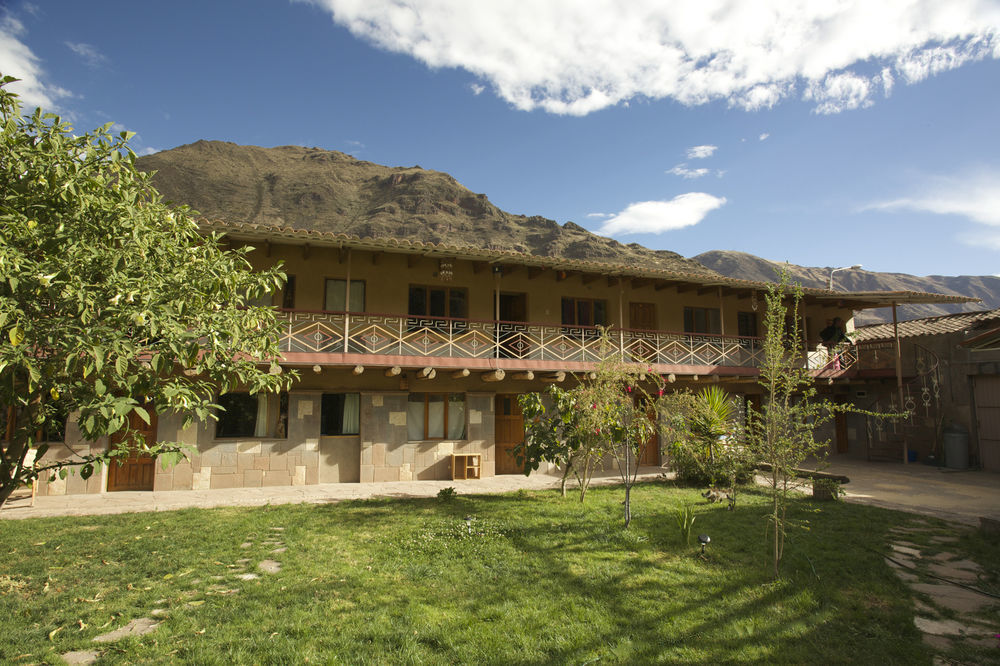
683	171
600	216
974	195
477	89
149	150
88	53
700	152
568	57
17	60
654	217
763	137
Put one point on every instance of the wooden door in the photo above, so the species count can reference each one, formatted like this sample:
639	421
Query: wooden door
651	454
137	470
987	398
642	316
508	433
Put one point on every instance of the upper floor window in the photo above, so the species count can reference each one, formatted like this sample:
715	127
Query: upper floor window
702	320
438	302
336	296
288	293
435	416
584	312
746	324
253	415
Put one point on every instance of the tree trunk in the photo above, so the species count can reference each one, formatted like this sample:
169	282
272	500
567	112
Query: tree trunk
628	505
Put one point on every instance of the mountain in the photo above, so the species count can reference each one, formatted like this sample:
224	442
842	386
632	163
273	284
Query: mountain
750	267
310	188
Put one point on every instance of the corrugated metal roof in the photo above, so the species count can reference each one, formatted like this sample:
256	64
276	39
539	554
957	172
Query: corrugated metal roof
940	325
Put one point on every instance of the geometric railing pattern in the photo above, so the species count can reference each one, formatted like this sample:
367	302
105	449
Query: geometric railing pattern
463	338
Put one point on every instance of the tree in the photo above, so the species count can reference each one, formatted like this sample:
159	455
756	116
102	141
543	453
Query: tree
111	302
554	432
624	414
780	435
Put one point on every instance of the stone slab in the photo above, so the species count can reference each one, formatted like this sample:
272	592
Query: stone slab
138	627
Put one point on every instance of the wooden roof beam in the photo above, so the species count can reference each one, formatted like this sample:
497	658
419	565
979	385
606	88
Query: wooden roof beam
534	272
587	278
639	283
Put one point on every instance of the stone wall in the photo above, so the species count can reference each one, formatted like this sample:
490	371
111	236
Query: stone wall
381	452
388	455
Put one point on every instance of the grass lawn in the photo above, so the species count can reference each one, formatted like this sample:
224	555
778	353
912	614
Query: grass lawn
541	580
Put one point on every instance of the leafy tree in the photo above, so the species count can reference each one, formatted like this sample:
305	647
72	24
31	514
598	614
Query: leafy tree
780	435
555	433
110	300
624	414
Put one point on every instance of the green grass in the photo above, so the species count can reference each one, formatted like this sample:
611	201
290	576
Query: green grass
541	580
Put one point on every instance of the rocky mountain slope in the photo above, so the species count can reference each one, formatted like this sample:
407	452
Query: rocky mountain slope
750	267
326	190
310	188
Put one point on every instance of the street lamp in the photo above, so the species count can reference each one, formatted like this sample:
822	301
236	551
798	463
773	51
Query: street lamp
842	268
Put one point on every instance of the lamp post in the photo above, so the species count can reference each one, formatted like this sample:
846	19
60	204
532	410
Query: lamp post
842	268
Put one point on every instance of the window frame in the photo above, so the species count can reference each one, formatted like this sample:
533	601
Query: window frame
353	309
447	400
323	419
691	320
447	301
576	302
280	410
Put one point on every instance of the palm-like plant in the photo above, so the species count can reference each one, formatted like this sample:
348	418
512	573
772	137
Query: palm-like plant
711	419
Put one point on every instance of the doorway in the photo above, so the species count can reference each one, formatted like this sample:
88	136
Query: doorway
135	472
508	433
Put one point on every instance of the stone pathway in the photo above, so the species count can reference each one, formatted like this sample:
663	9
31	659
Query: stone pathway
952	615
145	625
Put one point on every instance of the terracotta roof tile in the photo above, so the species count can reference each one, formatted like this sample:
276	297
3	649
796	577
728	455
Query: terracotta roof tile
940	325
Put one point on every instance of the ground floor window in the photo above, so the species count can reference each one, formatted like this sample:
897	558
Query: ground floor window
341	414
436	416
253	415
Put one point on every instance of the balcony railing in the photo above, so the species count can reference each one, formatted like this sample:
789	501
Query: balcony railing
430	337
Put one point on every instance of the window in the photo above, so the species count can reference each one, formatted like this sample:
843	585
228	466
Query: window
336	293
584	312
259	415
702	320
340	414
288	296
438	302
436	416
746	324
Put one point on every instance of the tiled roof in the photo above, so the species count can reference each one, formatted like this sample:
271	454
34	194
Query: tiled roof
940	325
855	300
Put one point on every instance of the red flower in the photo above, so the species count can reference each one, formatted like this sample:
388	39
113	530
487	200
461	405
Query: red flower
660	392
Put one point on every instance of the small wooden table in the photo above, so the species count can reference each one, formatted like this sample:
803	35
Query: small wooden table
466	466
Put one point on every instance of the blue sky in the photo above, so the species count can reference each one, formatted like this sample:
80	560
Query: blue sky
866	132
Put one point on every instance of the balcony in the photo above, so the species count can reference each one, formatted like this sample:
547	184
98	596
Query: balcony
512	344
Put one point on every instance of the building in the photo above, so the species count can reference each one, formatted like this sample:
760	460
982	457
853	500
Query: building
411	357
950	372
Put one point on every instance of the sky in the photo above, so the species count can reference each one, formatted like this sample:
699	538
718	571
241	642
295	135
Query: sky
820	133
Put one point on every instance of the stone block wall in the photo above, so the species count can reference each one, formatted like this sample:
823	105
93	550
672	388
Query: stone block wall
388	455
49	483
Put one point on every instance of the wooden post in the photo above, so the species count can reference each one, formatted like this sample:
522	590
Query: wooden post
899	375
553	377
523	376
358	369
347	301
424	374
393	371
459	374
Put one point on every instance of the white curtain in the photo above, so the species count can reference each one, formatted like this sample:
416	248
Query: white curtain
415	417
260	429
435	416
456	416
352	413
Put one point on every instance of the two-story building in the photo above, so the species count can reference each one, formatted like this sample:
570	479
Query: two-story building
412	354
